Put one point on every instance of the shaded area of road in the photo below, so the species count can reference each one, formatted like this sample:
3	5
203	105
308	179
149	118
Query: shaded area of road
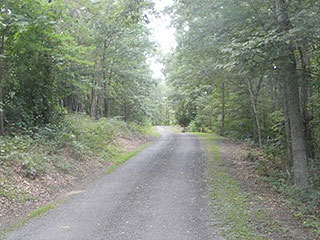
161	194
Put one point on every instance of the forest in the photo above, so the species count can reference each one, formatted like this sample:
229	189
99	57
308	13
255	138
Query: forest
73	56
248	70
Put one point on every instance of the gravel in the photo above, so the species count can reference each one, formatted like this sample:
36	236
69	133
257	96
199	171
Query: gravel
161	194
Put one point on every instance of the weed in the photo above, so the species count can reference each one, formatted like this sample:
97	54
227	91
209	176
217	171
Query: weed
34	165
62	164
9	191
41	150
150	131
123	157
228	200
34	214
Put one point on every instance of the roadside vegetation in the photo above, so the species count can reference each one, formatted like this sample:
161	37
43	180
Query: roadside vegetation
228	201
41	163
76	90
249	70
243	202
76	94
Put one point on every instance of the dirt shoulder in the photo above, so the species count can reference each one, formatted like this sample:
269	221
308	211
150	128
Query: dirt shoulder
270	214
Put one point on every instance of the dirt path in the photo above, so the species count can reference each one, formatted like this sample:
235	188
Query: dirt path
159	194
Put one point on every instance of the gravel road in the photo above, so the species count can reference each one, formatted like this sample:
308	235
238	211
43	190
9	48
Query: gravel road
160	194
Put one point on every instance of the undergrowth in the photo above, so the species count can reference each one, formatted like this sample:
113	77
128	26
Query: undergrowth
228	200
78	136
273	167
61	149
37	151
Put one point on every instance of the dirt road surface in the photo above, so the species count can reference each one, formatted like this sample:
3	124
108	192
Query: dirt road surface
161	194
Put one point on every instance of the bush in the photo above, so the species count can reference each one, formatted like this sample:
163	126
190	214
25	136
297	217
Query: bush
34	165
192	127
79	135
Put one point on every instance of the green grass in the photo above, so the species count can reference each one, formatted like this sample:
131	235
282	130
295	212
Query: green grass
43	209
60	147
150	131
123	157
34	214
117	160
229	203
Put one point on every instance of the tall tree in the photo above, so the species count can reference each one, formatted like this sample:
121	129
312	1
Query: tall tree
260	50
289	73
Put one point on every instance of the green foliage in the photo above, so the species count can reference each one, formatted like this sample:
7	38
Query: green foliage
78	135
192	127
228	74
30	45
231	59
63	149
34	165
305	202
161	112
78	56
229	202
10	192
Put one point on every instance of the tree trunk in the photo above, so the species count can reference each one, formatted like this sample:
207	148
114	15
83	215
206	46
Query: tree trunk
253	99
104	78
106	100
305	94
126	112
287	125
93	99
299	151
2	129
223	108
290	76
97	108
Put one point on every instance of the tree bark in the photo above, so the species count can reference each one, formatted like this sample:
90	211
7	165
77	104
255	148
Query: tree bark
106	100
104	78
299	150
93	99
253	99
2	129
97	109
223	108
126	112
290	78
287	125
305	94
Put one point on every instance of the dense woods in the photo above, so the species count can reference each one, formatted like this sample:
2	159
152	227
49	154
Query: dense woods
250	69
76	83
75	94
246	69
76	56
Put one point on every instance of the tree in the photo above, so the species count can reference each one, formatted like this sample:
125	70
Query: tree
288	66
81	56
247	65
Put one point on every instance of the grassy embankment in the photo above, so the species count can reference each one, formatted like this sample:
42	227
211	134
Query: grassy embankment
36	165
229	202
249	208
